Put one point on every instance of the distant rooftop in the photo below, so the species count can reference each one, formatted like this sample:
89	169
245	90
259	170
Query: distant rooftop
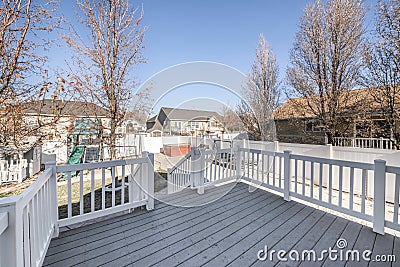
66	108
188	114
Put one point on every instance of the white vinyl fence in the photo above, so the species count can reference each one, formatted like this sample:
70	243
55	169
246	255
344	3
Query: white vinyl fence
380	143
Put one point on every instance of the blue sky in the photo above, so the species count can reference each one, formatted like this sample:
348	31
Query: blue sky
220	30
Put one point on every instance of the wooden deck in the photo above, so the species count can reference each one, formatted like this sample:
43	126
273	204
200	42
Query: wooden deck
228	231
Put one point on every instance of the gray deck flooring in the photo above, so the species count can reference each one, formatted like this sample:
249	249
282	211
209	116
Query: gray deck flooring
229	231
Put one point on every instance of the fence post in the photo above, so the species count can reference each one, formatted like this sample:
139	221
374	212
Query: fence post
286	175
150	183
54	195
379	196
330	150
276	146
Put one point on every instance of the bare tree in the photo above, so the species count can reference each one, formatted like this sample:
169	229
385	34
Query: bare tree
104	60
24	28
230	120
261	94
326	61
382	61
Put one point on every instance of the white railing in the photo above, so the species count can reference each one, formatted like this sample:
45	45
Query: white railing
29	221
32	222
217	166
389	188
354	188
379	143
336	184
262	167
361	190
122	185
201	168
178	177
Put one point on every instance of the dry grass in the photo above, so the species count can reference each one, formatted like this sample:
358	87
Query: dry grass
159	184
14	189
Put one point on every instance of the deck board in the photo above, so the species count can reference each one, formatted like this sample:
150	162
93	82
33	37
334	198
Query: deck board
350	234
309	239
194	224
227	226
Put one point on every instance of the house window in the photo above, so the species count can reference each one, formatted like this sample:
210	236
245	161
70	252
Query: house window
314	126
178	125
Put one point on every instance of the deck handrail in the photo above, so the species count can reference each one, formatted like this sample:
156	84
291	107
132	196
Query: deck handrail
178	177
181	161
331	183
3	222
140	187
201	168
32	222
29	221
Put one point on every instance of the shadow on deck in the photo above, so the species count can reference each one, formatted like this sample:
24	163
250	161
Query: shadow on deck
228	231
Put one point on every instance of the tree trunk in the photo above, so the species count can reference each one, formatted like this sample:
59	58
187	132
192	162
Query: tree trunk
329	136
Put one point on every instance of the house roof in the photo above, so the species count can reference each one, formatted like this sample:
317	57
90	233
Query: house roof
25	144
353	101
152	119
188	114
179	114
66	108
156	127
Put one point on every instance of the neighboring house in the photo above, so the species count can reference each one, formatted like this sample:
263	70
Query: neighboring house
174	121
131	126
76	123
68	112
296	123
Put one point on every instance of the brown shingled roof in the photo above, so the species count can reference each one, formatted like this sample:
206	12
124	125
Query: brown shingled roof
354	101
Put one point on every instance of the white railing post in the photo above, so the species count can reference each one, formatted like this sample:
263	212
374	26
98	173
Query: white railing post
170	188
195	174
150	181
11	239
286	175
379	196
200	173
238	156
54	196
192	168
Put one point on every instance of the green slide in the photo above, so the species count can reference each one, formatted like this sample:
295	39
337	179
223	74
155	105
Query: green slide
75	158
76	155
